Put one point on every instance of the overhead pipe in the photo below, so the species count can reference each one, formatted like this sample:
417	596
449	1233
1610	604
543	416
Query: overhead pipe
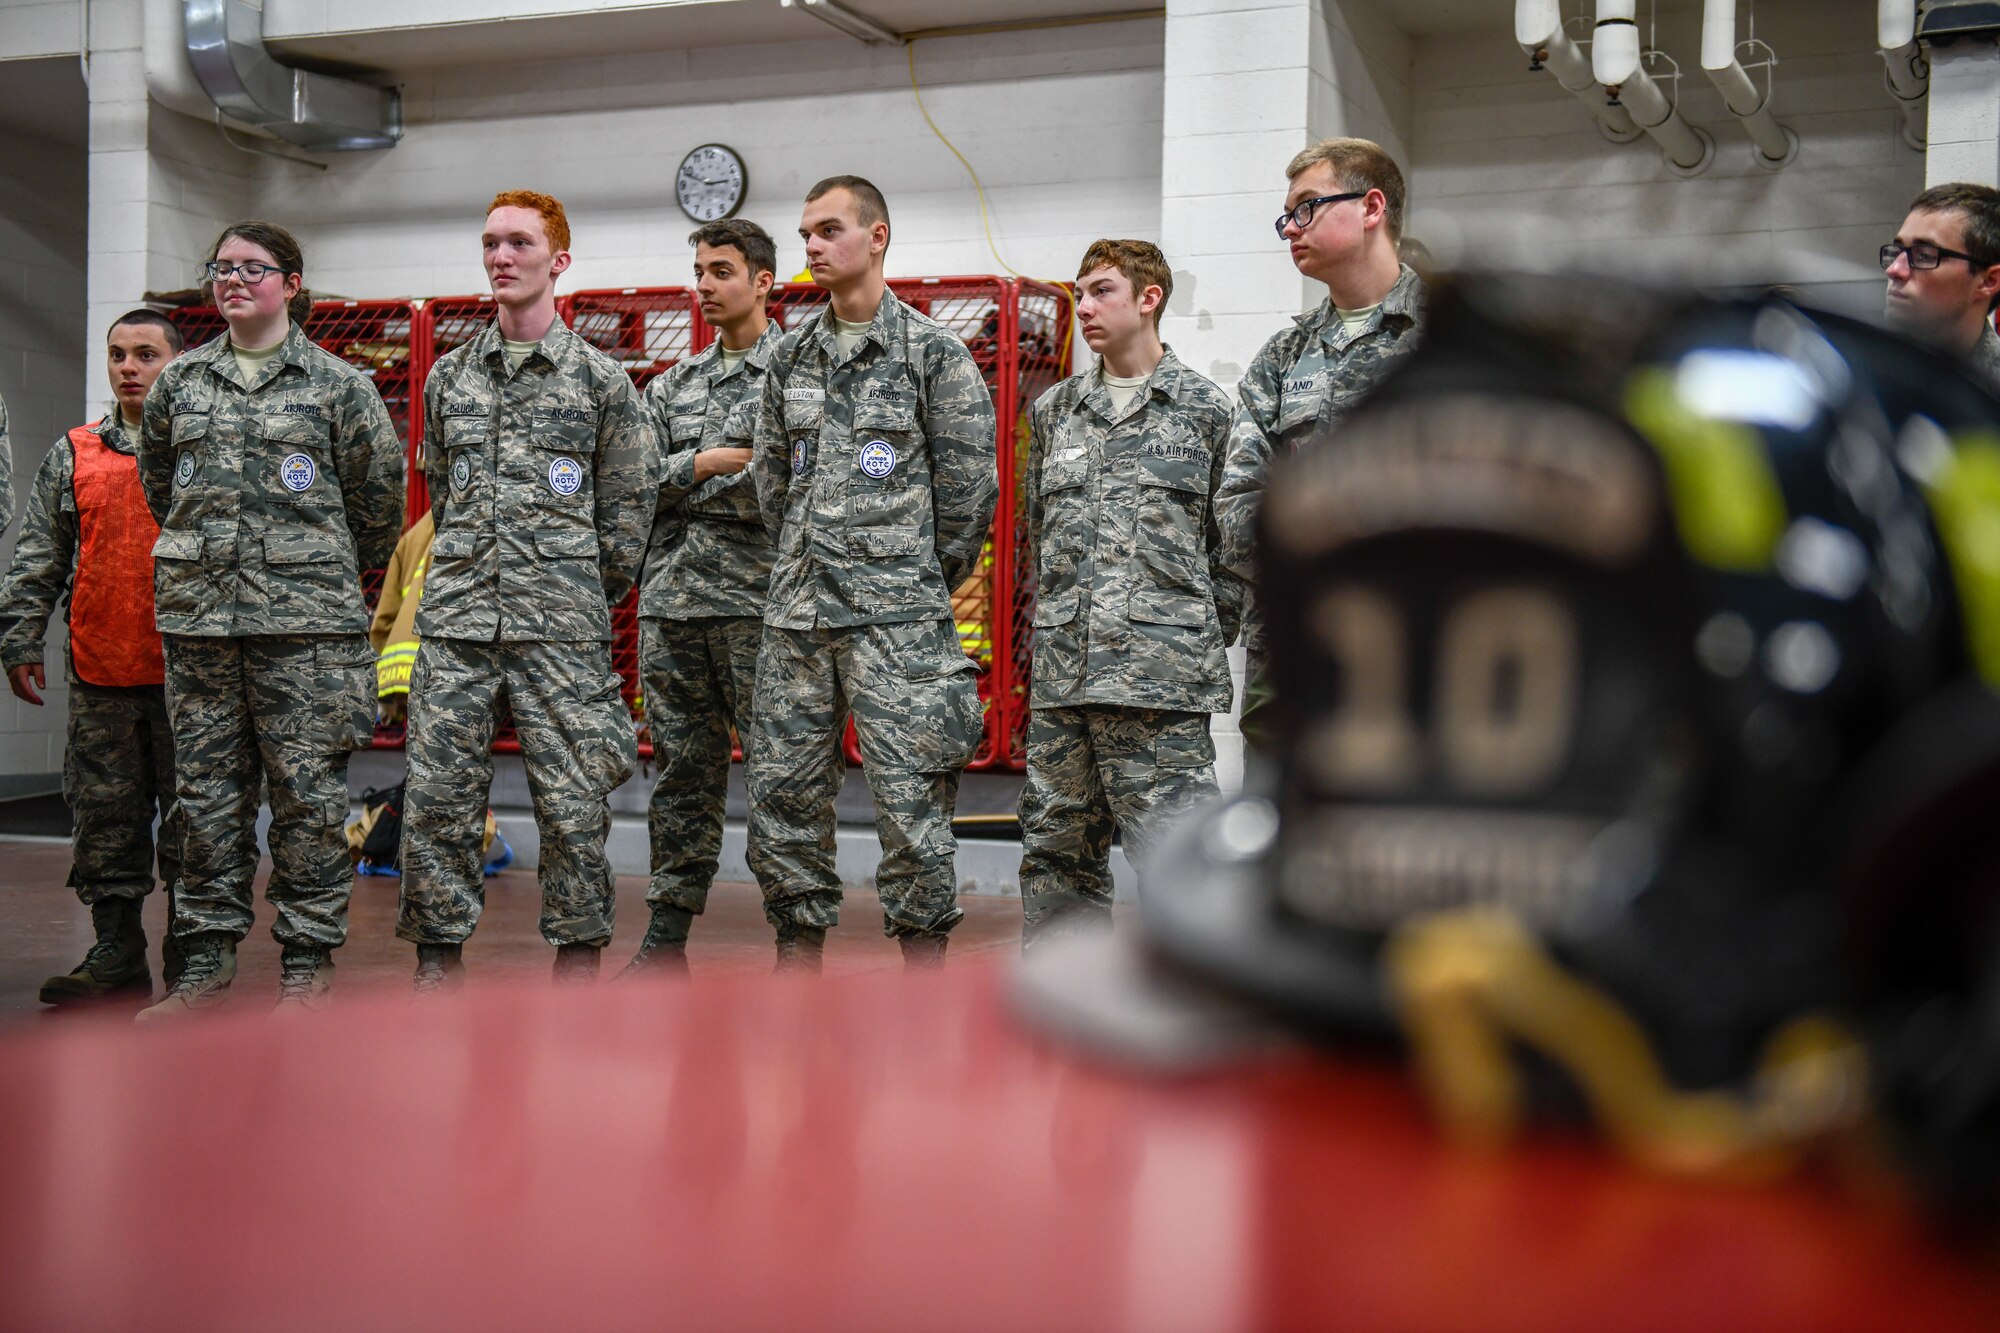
1904	68
1775	144
1538	27
170	80
1614	60
225	45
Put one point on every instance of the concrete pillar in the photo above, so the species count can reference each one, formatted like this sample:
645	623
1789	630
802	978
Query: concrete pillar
1964	129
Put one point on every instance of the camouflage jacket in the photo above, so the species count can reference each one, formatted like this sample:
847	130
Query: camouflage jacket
1300	384
876	475
1133	604
45	552
272	496
709	554
1984	363
542	483
6	470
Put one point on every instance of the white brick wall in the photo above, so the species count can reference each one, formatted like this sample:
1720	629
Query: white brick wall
42	361
1510	167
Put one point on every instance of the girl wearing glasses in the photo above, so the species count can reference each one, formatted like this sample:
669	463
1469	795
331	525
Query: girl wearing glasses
277	478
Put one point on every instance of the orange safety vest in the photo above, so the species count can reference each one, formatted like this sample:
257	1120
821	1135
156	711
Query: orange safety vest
113	638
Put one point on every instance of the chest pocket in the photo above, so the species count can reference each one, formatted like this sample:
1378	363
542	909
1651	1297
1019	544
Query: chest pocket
1304	391
884	438
294	462
685	430
560	458
190	436
885	512
804	413
1173	499
464	453
1062	487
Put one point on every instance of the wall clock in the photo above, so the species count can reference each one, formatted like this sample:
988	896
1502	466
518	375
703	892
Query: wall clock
711	182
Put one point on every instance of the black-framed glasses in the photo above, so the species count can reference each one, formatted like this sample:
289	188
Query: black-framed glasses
1925	255
1302	216
251	273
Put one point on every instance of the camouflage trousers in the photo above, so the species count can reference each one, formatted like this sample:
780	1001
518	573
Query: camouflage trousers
700	678
280	714
118	767
1090	769
577	744
914	696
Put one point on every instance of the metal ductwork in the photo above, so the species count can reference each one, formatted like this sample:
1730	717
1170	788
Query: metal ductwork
318	112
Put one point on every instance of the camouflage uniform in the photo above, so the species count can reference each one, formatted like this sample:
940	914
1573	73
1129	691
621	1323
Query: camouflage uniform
6	470
1299	386
542	484
877	481
118	760
272	497
1134	605
1984	363
701	608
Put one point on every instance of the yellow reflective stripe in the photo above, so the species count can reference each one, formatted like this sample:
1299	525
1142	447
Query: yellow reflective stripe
1726	500
393	667
1965	500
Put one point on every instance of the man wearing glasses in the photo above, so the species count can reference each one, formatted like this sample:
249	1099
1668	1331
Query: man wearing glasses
1944	275
1343	219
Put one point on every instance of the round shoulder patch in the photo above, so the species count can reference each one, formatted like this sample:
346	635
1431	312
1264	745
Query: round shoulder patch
461	473
184	470
565	476
297	471
877	458
798	458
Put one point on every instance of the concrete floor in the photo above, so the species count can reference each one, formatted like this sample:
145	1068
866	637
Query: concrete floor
44	931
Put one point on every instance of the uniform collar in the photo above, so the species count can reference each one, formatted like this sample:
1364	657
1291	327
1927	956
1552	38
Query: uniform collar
221	354
759	359
881	330
489	343
115	433
1985	357
1164	382
1401	308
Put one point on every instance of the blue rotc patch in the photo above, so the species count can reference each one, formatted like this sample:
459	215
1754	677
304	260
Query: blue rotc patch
184	470
798	458
297	471
565	476
877	458
461	474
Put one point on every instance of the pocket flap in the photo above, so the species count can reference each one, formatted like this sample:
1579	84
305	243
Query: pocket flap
177	545
1180	474
1167	608
453	544
299	548
567	429
885	540
885	414
1190	751
685	430
1056	609
292	428
949	663
190	426
562	545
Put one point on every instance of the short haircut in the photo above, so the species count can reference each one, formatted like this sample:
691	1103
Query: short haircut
555	221
1140	261
175	342
760	252
869	205
1977	206
1359	164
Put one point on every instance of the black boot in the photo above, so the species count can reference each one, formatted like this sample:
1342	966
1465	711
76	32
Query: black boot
439	969
576	964
664	950
115	965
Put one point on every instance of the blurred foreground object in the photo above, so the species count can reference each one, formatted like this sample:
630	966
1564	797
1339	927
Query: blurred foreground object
1635	659
870	1152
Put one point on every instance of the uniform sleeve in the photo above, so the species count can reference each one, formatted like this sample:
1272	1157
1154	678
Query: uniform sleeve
676	465
155	445
1225	584
391	600
770	463
370	459
1031	498
436	465
6	470
44	560
1253	439
627	478
965	482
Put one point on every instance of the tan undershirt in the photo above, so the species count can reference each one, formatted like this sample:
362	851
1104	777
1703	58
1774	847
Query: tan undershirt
732	358
250	361
519	352
1123	390
1354	319
847	337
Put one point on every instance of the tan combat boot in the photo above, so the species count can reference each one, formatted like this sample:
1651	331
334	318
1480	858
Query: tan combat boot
440	970
576	964
203	983
305	981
